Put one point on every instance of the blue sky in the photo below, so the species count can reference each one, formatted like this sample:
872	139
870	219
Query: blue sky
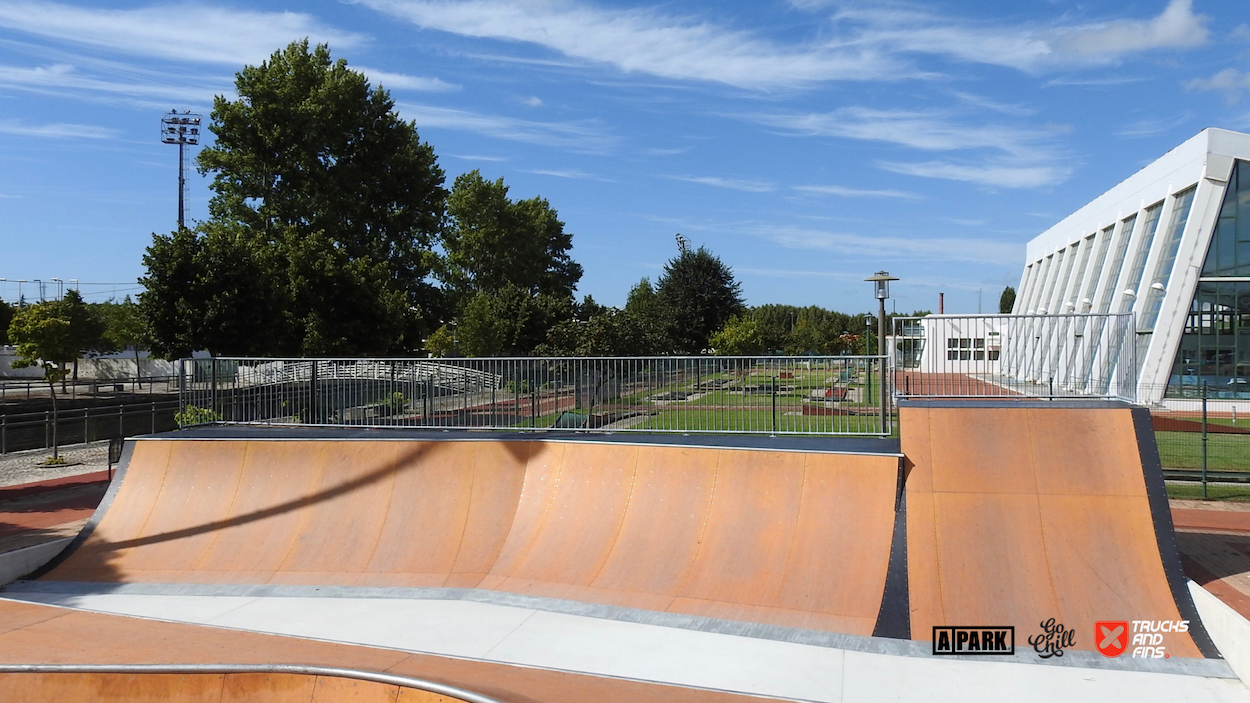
808	143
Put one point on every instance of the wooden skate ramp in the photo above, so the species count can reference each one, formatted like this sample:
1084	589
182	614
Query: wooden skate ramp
1021	513
799	539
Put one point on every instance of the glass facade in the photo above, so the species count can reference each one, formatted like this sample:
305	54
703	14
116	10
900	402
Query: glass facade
1229	255
1181	206
1139	260
1215	345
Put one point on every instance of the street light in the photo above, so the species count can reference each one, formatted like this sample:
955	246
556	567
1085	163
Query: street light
181	129
881	287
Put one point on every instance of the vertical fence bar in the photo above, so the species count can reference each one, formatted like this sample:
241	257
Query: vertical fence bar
1204	439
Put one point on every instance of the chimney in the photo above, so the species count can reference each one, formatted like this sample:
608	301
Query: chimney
941	303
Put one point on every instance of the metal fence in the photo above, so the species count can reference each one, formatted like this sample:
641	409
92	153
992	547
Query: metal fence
22	431
829	395
1203	439
1021	356
18	389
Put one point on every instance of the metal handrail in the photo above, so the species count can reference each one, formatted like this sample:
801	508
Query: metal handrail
297	669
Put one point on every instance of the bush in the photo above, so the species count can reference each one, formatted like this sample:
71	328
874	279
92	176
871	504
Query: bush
193	415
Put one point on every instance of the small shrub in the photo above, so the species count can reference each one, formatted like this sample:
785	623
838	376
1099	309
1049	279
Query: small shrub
193	415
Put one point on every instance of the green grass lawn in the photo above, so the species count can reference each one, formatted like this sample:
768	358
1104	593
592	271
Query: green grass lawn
1214	492
1183	450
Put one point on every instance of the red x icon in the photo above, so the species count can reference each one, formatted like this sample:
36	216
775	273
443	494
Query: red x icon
1111	637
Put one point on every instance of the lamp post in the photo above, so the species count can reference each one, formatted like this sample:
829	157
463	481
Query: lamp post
181	129
881	286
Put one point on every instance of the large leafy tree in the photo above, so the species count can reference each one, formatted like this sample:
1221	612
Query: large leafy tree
493	241
124	328
697	295
510	321
325	210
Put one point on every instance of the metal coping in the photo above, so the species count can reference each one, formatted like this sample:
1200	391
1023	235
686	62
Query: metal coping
885	446
297	669
1165	533
1214	668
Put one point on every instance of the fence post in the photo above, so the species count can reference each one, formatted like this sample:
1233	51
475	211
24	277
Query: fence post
47	427
312	392
775	404
4	434
154	417
1204	440
121	421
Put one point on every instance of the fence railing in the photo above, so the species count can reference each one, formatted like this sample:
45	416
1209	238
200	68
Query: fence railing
20	431
17	389
1020	356
829	395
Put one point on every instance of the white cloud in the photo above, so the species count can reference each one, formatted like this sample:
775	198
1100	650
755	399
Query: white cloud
924	248
1230	81
988	174
568	173
1149	128
533	101
476	157
59	130
928	130
1176	28
185	32
587	137
402	81
729	183
61	78
842	192
646	40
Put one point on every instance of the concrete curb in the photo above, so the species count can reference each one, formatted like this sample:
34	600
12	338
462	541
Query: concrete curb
20	562
1228	629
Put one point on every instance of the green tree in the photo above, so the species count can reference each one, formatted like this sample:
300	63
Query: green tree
124	329
492	242
611	332
739	337
697	294
6	316
441	342
510	321
51	335
1007	300
325	210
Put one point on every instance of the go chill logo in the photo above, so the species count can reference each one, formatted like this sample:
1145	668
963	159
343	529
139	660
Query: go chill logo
974	640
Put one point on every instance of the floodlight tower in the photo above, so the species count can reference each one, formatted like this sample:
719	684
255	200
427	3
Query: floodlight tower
181	129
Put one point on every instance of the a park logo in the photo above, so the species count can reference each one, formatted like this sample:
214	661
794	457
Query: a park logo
1111	637
974	640
1053	639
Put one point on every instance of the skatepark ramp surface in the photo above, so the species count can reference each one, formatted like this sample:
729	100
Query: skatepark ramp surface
275	683
1018	513
791	538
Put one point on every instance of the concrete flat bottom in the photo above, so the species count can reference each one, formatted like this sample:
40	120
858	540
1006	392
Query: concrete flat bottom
655	653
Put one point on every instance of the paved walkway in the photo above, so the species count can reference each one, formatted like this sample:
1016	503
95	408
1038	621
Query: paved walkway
1214	541
27	466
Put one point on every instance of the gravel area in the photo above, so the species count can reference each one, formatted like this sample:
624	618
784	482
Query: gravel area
24	467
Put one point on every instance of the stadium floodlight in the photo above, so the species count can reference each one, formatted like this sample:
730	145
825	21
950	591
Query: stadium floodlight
182	129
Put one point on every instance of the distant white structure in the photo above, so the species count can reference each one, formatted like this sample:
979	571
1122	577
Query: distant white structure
1169	245
950	344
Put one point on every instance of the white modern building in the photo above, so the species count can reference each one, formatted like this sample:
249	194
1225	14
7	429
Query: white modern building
1169	245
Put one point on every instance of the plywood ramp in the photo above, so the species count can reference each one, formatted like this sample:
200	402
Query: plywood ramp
779	537
1018	515
206	688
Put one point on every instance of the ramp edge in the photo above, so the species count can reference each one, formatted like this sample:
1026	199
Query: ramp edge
1165	532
